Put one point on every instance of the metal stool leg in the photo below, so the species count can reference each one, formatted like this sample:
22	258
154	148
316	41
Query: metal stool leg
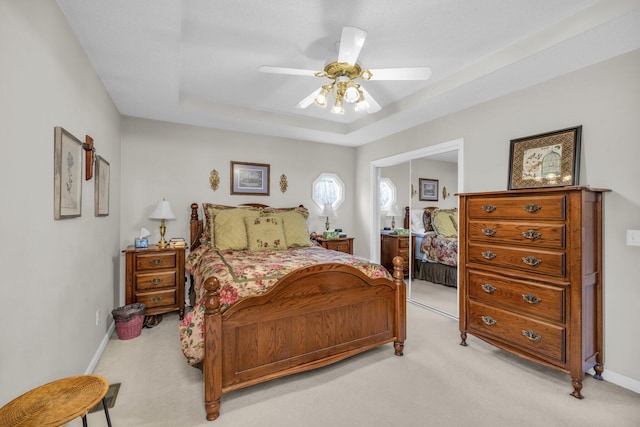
106	411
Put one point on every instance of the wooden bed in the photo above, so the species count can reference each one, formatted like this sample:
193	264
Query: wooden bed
310	318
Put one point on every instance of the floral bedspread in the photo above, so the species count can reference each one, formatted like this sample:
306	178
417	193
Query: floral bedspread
443	250
244	273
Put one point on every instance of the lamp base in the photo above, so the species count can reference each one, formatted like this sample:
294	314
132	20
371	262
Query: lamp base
162	243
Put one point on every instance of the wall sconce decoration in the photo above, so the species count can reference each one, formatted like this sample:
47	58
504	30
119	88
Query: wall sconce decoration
89	151
413	191
444	193
283	183
214	180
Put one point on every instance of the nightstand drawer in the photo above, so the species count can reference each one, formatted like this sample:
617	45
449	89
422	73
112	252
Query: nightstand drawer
155	260
157	299
155	280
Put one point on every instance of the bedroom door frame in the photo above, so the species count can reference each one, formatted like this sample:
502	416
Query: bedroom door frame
432	150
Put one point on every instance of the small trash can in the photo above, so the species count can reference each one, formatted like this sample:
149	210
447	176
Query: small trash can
129	320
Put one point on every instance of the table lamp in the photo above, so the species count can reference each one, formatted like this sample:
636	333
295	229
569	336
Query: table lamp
393	212
162	211
327	211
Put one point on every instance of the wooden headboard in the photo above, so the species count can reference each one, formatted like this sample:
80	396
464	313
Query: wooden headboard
196	224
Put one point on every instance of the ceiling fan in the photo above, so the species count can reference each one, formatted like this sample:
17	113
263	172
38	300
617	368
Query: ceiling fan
345	74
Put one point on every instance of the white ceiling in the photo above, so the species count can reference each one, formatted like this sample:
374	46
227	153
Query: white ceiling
196	61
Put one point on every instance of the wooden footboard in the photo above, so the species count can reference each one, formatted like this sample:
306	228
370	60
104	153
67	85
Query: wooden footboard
313	317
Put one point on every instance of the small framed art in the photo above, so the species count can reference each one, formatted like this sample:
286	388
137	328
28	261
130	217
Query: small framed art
250	178
102	186
546	160
67	175
428	189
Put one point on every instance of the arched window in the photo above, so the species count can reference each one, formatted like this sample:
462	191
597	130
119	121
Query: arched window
387	193
328	189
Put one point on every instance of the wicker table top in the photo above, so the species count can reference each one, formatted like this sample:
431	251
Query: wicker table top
55	403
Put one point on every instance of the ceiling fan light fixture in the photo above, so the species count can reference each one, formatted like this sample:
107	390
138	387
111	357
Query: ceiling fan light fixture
321	98
362	104
351	94
337	107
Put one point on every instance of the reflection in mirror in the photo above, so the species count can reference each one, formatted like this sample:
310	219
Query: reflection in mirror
434	242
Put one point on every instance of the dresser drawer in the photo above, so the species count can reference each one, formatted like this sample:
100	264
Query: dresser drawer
537	337
519	233
155	260
157	299
519	208
535	299
536	261
155	280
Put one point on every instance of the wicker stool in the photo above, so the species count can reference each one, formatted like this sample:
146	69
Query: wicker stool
57	402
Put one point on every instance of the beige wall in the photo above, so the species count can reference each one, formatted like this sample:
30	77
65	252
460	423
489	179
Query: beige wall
603	99
55	274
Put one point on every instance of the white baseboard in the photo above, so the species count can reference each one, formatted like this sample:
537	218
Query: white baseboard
103	345
617	379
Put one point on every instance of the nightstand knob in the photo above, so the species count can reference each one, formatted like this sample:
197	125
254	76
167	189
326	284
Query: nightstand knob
156	299
156	281
156	261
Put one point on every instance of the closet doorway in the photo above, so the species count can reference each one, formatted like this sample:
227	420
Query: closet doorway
445	160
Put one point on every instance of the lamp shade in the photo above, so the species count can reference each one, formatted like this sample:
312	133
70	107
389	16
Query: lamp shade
327	211
162	211
394	211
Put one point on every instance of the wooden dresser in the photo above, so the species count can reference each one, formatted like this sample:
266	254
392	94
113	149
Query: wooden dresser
341	244
155	277
531	275
393	245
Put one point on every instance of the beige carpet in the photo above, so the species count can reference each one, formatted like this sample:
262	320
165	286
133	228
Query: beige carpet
435	295
437	383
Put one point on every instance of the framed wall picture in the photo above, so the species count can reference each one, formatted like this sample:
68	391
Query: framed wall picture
250	178
67	175
428	189
102	186
546	160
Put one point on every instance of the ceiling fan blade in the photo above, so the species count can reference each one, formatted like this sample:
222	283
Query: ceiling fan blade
409	73
283	70
351	44
309	99
373	105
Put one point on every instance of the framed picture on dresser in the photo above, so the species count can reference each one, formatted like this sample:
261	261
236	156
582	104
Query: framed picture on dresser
546	160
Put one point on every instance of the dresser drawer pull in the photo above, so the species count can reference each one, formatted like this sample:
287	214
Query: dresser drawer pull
156	261
156	281
488	320
531	261
531	234
338	248
489	208
489	232
488	288
156	299
488	255
532	208
531	298
531	335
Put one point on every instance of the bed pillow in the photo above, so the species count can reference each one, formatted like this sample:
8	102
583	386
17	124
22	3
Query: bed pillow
294	222
427	220
265	233
417	218
443	224
229	229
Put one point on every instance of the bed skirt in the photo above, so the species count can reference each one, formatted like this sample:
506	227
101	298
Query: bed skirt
436	273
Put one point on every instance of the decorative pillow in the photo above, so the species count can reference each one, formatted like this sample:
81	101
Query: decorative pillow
229	230
295	227
426	220
442	223
454	217
265	233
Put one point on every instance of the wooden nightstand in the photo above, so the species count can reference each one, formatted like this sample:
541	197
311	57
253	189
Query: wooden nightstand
342	244
391	246
155	277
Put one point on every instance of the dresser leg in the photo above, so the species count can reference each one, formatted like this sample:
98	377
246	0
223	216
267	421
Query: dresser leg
577	387
463	336
598	368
